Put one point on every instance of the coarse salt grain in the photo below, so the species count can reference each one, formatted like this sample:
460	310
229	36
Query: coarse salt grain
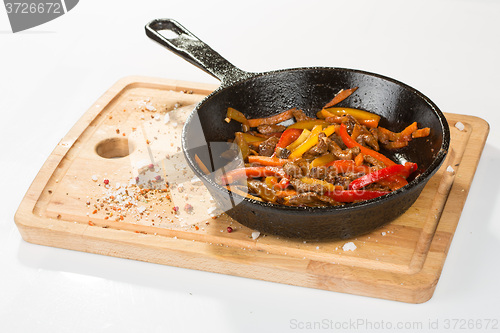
95	178
195	180
459	126
255	234
350	246
450	169
166	119
157	117
383	233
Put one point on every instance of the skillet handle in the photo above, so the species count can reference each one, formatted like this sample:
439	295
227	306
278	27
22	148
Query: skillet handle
192	49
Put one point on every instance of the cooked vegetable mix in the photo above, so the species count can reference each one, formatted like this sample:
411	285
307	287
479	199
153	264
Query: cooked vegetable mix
330	160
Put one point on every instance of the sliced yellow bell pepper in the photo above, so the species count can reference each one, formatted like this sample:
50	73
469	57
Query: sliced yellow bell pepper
270	181
309	124
312	140
322	160
239	117
303	136
364	117
330	130
242	145
329	186
252	138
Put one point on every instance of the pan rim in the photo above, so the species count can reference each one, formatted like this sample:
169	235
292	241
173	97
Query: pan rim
422	178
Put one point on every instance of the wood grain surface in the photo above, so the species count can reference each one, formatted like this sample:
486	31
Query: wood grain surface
134	129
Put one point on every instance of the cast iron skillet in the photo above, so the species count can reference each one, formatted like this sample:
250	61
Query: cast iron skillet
264	94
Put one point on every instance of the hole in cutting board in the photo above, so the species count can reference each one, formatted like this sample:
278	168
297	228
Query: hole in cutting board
113	148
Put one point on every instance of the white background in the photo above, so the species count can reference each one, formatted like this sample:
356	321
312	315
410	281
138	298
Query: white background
51	74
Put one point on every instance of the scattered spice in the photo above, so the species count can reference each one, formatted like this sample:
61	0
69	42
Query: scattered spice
188	208
229	229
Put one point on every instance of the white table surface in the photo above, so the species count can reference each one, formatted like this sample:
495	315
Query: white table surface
51	74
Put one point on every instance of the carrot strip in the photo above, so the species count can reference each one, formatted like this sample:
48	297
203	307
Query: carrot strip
340	96
263	171
389	135
396	145
407	132
359	159
267	161
272	120
421	133
201	165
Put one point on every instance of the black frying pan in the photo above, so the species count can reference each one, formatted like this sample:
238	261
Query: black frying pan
263	94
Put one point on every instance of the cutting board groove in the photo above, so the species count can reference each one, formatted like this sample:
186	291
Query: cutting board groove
63	207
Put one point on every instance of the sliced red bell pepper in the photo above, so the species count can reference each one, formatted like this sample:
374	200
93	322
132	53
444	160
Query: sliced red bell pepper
376	176
353	195
351	143
283	183
288	136
394	182
410	168
264	171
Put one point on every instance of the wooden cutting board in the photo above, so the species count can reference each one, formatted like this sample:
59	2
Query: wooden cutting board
134	129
